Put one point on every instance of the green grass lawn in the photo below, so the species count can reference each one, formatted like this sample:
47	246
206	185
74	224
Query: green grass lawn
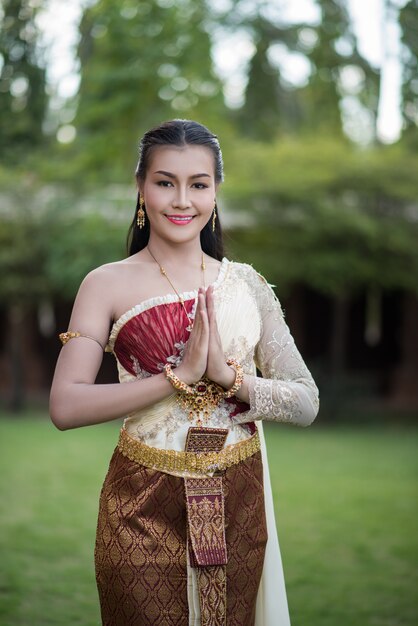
346	504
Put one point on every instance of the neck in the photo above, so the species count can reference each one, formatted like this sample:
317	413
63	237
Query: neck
189	252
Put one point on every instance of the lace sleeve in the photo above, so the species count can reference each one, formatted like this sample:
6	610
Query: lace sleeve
287	391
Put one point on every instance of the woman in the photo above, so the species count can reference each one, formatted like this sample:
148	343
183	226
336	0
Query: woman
184	518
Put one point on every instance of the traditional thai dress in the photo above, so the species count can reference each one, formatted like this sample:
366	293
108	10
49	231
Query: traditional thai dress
186	533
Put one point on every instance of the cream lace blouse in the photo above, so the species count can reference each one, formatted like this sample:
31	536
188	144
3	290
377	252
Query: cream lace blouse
253	330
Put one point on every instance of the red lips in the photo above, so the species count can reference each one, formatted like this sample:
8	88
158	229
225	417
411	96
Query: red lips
180	220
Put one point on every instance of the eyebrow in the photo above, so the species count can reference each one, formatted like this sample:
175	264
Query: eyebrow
170	175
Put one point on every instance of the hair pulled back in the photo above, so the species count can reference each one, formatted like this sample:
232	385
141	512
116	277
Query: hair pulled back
178	132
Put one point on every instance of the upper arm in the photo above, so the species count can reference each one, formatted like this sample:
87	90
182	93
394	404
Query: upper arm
80	358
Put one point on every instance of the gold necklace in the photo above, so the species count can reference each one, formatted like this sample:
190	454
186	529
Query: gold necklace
181	301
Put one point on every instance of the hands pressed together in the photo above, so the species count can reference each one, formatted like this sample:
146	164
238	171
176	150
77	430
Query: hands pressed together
203	355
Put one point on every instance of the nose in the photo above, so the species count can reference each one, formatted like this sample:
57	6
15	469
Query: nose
181	199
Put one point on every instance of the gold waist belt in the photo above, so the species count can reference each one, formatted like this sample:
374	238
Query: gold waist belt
196	462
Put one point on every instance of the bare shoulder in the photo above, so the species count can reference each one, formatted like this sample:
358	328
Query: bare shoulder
108	276
112	284
106	271
98	286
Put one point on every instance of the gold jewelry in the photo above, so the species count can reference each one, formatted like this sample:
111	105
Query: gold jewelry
181	301
199	399
214	217
207	396
191	462
140	216
175	380
238	379
65	337
202	397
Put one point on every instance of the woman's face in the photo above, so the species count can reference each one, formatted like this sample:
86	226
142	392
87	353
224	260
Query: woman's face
179	191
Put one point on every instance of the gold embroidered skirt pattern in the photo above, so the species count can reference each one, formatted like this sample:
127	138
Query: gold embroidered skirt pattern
146	527
205	506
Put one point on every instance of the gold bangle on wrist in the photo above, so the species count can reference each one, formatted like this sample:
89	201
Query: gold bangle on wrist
238	379
176	382
202	397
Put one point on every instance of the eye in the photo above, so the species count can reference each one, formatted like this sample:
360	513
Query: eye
164	183
200	186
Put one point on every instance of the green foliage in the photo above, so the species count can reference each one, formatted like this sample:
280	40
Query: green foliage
49	241
326	215
335	49
408	21
318	210
22	254
269	107
272	107
261	111
23	99
140	63
76	246
21	260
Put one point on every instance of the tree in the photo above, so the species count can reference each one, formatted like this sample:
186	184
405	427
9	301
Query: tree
140	63
271	105
22	111
22	276
22	81
408	20
327	216
46	249
333	49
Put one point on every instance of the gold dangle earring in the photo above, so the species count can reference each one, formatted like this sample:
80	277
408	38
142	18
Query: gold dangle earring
140	215
214	217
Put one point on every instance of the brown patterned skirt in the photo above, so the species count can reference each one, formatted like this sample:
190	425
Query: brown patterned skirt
141	545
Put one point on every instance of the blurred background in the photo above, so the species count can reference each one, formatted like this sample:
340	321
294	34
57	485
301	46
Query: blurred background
315	103
316	107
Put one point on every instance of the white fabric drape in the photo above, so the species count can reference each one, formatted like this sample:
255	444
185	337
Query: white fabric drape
253	331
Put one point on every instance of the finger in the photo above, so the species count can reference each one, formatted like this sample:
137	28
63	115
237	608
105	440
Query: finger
210	303
197	320
197	323
202	301
204	321
204	314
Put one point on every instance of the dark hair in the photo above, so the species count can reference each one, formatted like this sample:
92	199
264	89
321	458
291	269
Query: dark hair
178	133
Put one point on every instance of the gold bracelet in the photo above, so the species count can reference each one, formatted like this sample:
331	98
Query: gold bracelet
201	398
176	382
238	379
65	337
